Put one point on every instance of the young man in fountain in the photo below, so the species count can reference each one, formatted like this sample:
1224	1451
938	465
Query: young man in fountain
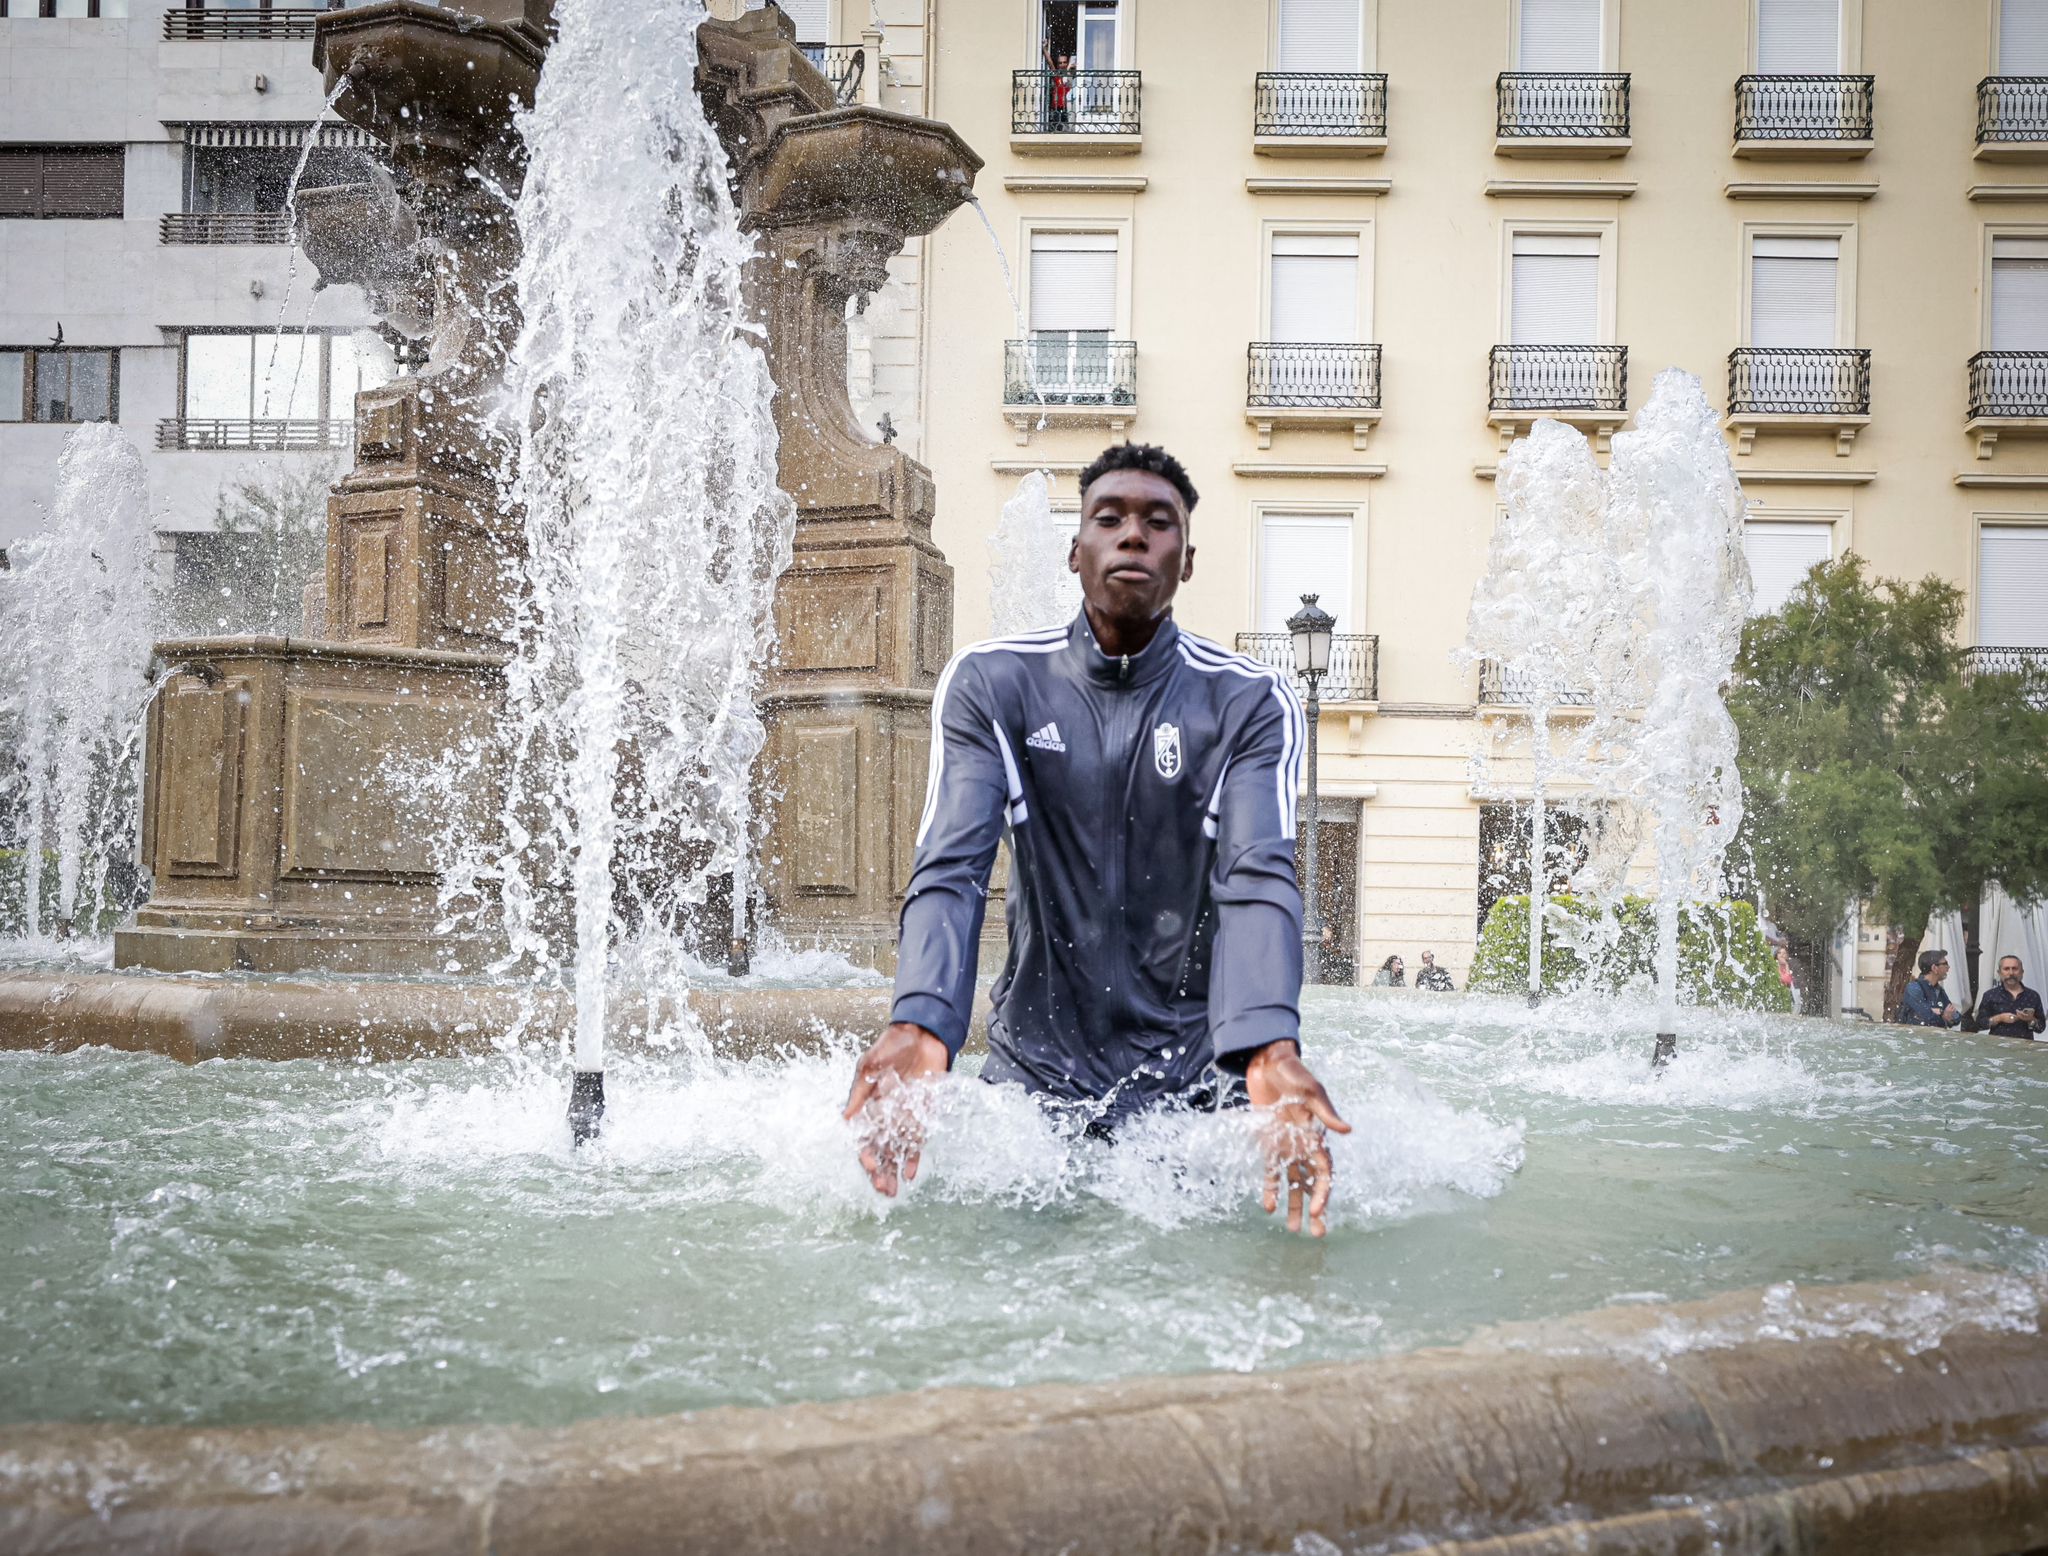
1148	780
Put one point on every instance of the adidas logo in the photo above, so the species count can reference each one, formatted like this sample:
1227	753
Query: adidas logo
1047	739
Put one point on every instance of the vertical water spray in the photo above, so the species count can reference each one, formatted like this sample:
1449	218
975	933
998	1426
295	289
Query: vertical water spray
654	530
1675	518
77	616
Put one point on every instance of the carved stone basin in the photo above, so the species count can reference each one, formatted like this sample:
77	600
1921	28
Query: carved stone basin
862	164
433	83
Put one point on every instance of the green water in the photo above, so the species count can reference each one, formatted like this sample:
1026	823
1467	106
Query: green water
243	1242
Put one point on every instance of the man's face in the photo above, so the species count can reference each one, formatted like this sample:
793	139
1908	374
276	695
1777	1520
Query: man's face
2010	972
1131	550
1428	958
1938	971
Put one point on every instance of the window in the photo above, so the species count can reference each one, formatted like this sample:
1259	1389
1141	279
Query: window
1558	36
1083	31
270	376
2012	583
1780	556
1304	554
2019	294
1554	287
1073	307
1314	288
1321	36
60	182
2022	38
809	18
1798	37
63	8
221	180
59	384
1794	292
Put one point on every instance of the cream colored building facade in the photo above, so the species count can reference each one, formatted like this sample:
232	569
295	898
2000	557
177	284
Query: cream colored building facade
1826	209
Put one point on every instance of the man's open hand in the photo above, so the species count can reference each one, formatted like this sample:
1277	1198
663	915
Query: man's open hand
892	1133
1298	1111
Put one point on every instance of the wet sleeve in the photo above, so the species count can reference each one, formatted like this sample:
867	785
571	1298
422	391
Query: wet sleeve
967	792
1255	970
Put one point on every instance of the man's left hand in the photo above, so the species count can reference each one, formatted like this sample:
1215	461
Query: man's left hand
1299	1111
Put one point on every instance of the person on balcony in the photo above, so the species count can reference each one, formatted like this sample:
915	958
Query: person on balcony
1148	781
2009	1008
1926	1002
1059	85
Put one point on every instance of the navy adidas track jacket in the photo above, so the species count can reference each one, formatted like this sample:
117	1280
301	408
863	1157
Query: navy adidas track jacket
1154	915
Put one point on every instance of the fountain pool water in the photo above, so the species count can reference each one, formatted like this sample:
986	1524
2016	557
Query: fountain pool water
292	1243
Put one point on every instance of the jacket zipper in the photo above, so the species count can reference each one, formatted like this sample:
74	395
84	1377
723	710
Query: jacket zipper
1118	775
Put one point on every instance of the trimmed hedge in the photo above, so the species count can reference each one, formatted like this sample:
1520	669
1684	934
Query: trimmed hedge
1723	958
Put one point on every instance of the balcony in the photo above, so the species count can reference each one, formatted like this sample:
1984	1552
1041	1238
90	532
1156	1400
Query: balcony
223	227
1354	674
1294	384
1089	112
1804	116
215	25
1069	378
1297	114
1548	114
2029	664
1583	386
842	64
2012	119
1798	389
1503	688
2008	395
269	434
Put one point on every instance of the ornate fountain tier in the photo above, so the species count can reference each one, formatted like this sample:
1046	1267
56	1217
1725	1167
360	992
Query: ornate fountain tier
280	832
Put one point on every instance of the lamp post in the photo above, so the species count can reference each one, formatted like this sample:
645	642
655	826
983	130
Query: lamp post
1310	628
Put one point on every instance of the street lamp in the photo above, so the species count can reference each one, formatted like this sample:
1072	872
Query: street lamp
1310	628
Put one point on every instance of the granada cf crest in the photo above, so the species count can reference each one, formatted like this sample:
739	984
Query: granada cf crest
1166	750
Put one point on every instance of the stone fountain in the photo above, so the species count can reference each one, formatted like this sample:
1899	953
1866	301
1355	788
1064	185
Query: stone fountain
285	823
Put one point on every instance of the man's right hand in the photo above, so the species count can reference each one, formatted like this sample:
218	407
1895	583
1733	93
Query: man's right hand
892	1134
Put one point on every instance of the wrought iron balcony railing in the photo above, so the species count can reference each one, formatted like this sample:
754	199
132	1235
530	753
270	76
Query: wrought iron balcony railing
1769	108
842	64
1559	378
1070	367
2008	383
1538	105
1500	687
1354	673
1798	381
2012	110
1074	102
213	25
265	433
2029	664
1320	105
224	227
1288	374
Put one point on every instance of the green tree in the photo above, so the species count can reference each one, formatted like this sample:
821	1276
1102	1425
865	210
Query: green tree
1877	768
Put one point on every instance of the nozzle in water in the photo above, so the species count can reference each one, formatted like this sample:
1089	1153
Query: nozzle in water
586	1105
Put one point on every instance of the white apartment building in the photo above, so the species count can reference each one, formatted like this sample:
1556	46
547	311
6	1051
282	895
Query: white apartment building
146	271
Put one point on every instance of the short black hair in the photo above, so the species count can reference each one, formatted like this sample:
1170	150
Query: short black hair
1930	960
1149	457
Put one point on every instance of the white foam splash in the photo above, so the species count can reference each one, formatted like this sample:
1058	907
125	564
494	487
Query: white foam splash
1029	584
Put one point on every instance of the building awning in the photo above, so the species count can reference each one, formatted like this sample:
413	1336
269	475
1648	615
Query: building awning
275	136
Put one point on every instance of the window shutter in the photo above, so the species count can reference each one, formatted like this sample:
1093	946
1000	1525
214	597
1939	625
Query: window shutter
1559	35
1779	557
2019	294
1322	35
1073	281
1300	554
83	181
1315	288
1792	292
2012	586
1555	290
1798	37
21	181
809	17
2023	38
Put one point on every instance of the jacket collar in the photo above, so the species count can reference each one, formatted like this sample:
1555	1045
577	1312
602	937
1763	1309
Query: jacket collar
1148	664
